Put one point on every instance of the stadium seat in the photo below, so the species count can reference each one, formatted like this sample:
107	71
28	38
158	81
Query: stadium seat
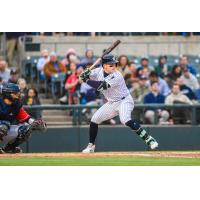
27	68
34	73
30	68
57	81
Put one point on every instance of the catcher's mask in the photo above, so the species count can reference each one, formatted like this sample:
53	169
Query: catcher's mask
10	91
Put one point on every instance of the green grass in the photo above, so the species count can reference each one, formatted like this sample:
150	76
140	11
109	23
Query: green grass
99	161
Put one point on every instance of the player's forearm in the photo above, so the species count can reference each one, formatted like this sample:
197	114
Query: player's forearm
94	84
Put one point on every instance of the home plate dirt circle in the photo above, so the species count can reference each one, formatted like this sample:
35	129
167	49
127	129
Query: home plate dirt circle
163	154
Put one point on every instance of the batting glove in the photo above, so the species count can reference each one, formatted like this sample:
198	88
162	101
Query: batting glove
84	76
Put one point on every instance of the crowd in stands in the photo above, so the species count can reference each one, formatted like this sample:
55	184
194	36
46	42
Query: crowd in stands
160	84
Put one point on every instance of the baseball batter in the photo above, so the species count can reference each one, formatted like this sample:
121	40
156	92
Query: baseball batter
110	82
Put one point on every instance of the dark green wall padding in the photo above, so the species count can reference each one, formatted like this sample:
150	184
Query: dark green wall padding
74	139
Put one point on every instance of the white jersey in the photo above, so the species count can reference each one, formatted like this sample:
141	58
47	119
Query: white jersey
118	89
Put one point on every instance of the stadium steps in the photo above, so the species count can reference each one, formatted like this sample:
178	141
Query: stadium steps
55	118
59	118
55	112
46	101
55	124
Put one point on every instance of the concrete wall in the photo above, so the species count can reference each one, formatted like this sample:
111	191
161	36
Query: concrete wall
131	45
74	139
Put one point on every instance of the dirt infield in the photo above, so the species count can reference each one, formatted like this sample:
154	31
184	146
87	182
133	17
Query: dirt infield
159	154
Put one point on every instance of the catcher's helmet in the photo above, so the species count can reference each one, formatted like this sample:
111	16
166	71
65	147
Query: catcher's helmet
10	91
109	59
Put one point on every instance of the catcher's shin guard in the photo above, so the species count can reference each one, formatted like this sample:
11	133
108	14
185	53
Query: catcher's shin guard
24	133
4	127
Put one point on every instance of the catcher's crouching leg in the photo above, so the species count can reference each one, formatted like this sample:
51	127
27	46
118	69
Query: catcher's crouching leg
4	127
24	133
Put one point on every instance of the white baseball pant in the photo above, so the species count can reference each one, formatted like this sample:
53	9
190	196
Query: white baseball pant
123	108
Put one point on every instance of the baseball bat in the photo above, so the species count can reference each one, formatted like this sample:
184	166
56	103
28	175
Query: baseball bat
107	51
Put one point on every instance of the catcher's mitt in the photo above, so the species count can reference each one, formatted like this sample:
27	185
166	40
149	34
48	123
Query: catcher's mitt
39	125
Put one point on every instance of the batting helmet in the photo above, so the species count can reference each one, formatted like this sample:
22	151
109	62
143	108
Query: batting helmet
10	91
109	59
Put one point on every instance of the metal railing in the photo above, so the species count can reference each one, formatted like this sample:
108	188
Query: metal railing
77	110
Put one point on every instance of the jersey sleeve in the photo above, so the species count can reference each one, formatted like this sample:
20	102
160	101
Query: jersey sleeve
22	115
94	73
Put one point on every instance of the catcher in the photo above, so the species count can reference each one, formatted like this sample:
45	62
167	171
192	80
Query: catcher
11	111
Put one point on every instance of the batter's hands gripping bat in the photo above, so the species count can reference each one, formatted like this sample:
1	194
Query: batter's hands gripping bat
107	51
85	74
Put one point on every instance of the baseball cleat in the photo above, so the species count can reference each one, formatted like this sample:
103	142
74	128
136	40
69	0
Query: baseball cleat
152	143
8	149
1	151
89	149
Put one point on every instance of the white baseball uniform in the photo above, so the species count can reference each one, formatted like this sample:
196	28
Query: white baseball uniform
11	135
118	96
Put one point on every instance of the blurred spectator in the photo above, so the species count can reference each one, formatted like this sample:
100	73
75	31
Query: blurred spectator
88	93
144	65
185	89
185	64
72	85
13	44
140	89
145	72
4	71
190	80
23	87
176	72
53	66
176	97
14	76
88	59
1	80
131	76
162	68
70	56
41	62
65	98
162	84
168	80
123	65
154	97
32	98
52	70
133	71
